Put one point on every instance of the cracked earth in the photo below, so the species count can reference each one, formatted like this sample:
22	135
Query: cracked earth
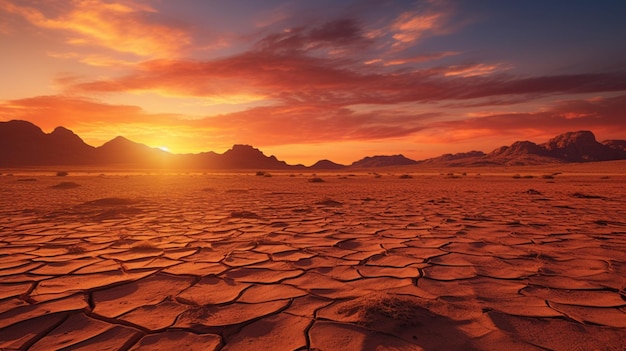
357	262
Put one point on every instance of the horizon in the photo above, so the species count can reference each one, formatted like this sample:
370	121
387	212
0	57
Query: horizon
321	158
421	78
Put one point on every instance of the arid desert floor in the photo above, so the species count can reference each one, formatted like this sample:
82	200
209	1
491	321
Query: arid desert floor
430	261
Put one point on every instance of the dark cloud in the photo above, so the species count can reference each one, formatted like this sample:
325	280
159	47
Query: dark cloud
305	78
338	34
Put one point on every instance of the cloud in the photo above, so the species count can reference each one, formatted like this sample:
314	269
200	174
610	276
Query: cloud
418	58
51	111
428	19
254	74
473	70
341	34
128	27
307	124
602	115
305	65
298	124
411	26
93	59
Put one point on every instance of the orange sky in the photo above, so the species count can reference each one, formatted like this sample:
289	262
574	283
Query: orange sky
420	78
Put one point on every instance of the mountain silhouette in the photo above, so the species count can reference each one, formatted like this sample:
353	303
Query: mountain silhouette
24	144
581	147
246	156
326	165
121	151
383	161
578	146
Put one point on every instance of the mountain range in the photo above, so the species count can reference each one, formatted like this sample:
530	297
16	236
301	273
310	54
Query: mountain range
24	144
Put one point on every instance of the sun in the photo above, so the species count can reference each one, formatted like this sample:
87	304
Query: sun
163	148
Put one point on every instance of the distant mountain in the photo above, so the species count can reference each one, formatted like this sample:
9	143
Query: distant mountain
578	146
458	159
517	149
121	151
247	157
520	153
24	144
326	165
383	161
581	147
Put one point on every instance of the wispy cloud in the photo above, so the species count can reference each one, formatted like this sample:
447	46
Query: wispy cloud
337	34
96	60
128	27
418	58
298	78
301	65
428	19
411	26
602	115
315	124
49	111
474	70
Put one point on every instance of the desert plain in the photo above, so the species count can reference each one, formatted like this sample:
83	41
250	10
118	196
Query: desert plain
527	258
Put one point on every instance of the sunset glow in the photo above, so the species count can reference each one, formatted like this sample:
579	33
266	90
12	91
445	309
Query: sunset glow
301	82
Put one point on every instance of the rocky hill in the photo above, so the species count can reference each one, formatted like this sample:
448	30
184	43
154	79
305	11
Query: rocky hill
24	144
383	161
327	165
578	146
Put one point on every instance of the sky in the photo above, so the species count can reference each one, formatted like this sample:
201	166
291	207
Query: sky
309	80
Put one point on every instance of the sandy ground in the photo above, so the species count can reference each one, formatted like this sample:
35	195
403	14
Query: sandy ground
357	262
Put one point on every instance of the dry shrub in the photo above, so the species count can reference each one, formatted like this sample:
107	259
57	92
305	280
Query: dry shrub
377	308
